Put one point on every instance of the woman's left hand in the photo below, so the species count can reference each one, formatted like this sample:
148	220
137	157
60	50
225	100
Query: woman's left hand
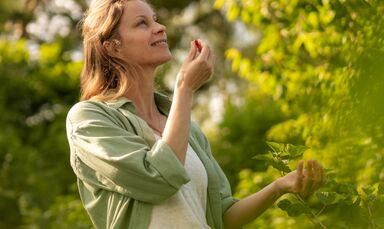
302	181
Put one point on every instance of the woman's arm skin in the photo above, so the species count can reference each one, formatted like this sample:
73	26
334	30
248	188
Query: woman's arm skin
195	71
301	181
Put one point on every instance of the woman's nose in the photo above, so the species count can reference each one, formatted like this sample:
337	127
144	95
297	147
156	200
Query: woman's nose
160	28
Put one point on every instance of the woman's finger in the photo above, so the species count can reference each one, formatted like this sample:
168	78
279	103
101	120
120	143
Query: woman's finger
319	176
308	179
315	178
322	174
192	52
205	50
299	179
206	58
212	58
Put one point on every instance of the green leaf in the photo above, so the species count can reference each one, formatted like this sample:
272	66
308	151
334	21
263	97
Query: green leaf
296	151
274	154
246	16
279	165
368	190
263	157
330	173
233	12
326	15
380	188
347	188
298	209
271	39
328	198
285	155
313	19
245	67
293	209
372	197
276	147
284	204
351	200
219	4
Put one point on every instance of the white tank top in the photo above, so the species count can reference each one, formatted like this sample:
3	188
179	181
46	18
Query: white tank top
186	209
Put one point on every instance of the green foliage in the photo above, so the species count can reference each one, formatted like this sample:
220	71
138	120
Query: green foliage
328	198
281	154
293	208
364	204
234	146
338	195
320	63
34	157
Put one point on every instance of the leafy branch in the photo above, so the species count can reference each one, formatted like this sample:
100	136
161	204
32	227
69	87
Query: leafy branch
366	199
279	159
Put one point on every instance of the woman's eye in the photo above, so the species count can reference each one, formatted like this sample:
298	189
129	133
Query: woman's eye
142	22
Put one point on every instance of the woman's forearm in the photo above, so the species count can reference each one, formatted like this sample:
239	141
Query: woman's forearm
176	131
194	72
247	209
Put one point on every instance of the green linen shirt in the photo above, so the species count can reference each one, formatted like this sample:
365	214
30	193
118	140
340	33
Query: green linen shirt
122	171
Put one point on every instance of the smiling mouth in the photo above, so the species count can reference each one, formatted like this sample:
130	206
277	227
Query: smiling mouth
159	42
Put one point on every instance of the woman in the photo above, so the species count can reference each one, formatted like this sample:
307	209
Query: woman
139	161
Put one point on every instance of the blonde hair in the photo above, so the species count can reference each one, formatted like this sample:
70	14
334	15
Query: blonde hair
103	73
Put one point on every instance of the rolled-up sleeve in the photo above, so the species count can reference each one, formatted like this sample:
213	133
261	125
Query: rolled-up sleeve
122	160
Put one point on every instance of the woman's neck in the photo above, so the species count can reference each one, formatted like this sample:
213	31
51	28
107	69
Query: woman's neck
143	97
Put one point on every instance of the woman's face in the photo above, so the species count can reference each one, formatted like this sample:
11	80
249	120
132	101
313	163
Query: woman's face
143	39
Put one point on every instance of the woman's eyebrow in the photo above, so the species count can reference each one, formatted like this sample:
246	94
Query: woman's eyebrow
145	16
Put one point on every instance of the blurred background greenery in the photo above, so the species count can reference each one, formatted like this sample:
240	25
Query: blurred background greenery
306	72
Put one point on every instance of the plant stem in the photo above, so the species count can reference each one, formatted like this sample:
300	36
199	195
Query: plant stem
370	215
321	210
314	218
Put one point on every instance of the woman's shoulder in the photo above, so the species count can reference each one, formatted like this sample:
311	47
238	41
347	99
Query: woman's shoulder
88	109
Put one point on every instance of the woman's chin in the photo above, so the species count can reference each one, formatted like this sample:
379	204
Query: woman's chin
156	62
165	59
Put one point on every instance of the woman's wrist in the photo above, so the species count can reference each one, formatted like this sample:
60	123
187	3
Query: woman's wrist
187	84
279	187
181	84
182	92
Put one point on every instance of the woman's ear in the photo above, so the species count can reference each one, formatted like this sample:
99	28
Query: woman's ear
112	47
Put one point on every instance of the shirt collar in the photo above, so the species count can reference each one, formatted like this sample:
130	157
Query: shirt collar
162	101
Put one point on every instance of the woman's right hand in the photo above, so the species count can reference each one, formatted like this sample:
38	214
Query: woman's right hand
197	67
